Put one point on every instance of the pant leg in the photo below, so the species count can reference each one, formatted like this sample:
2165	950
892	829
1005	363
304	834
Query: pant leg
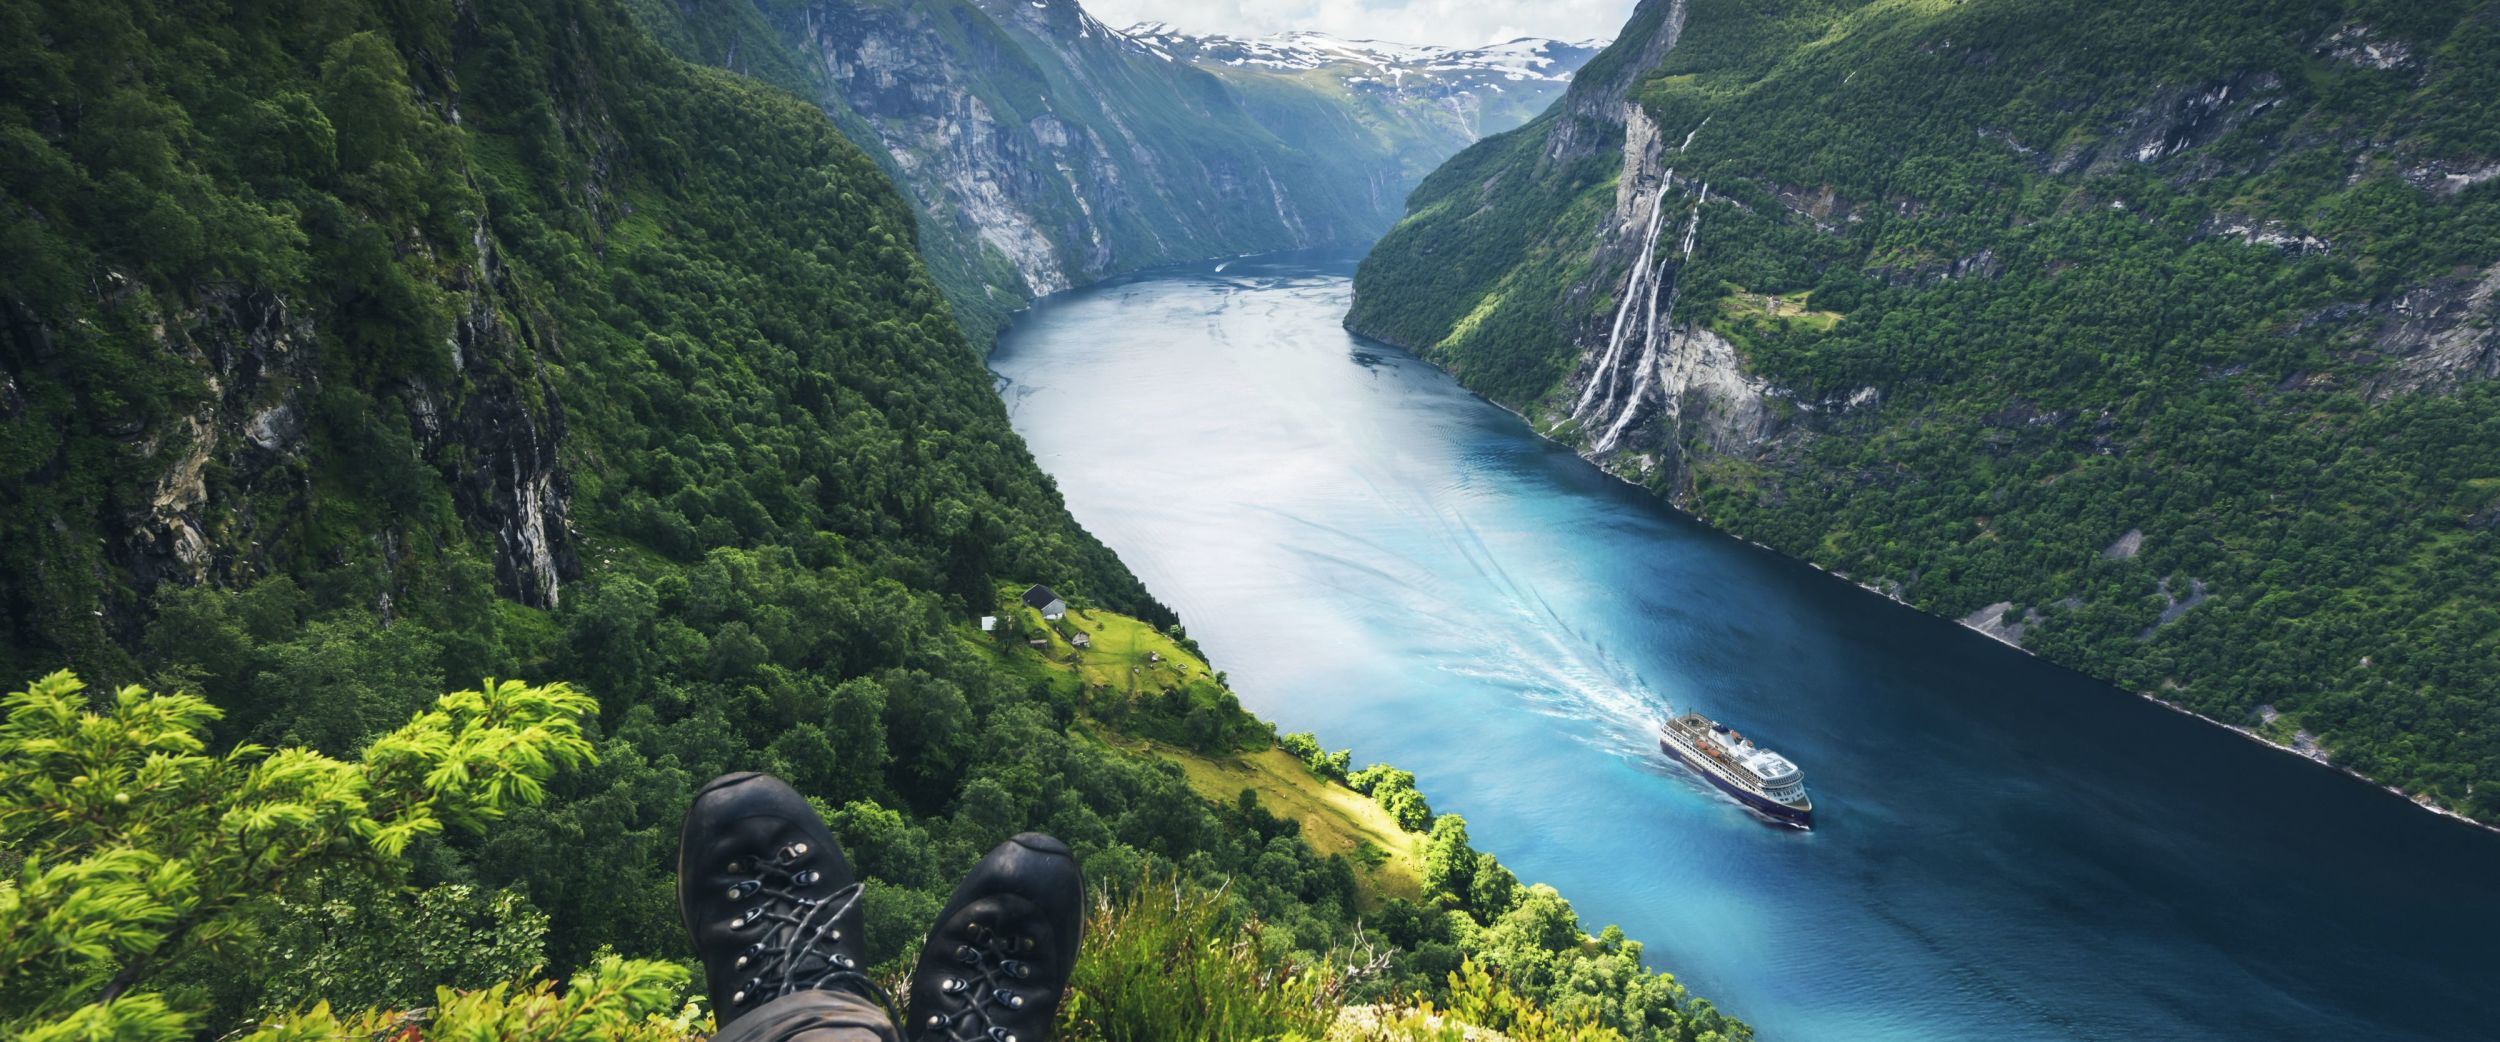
813	1016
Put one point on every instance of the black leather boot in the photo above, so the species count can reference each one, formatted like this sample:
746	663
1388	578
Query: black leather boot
771	902
1002	951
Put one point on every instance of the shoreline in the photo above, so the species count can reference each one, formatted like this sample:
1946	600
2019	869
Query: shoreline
2248	733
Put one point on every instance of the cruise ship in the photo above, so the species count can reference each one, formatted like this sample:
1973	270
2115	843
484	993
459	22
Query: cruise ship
1759	778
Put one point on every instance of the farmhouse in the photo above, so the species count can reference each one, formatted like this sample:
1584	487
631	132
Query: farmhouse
1041	597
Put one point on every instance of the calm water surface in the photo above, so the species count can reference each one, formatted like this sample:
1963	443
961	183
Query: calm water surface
2006	850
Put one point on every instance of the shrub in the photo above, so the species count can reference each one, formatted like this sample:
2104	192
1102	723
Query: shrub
1167	961
1305	746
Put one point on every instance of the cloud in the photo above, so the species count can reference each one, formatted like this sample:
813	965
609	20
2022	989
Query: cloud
1457	22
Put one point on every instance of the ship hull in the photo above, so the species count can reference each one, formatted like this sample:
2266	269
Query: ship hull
1799	817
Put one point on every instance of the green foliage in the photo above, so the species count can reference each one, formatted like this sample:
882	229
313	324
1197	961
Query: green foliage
1449	863
1395	791
136	850
615	1000
1168	962
1460	878
1326	765
2045	230
356	942
1478	997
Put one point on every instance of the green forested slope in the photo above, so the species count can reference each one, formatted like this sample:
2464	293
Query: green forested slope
354	351
2023	278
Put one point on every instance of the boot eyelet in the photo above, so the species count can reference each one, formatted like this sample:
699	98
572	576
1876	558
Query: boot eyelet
1018	970
964	954
1009	999
807	878
952	985
794	851
738	891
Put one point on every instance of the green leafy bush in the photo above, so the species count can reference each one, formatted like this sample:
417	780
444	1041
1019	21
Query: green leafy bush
1327	765
135	850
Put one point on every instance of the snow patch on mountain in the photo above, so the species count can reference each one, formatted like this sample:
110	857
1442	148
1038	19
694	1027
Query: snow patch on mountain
1523	60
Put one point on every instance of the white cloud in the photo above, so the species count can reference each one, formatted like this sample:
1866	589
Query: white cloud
1457	22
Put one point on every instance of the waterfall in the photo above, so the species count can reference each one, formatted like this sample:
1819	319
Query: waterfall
1659	324
1605	374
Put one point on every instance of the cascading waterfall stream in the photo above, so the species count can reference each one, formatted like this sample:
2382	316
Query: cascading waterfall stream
1605	376
1658	322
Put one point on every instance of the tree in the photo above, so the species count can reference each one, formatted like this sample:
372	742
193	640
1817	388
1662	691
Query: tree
1449	863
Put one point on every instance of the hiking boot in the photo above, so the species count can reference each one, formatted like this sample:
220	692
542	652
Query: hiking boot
1002	950
771	902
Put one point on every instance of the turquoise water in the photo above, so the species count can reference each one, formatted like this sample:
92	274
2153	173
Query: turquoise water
2005	850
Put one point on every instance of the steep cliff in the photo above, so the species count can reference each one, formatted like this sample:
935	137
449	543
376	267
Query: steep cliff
1960	299
1045	150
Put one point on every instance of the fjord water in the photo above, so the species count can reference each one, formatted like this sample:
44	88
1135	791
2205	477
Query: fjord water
2005	850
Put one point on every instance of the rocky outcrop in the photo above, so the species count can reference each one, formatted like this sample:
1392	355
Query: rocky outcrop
1993	622
256	360
227	486
2177	119
2439	335
1592	112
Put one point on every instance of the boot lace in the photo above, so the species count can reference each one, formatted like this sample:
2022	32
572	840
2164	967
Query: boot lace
796	932
981	984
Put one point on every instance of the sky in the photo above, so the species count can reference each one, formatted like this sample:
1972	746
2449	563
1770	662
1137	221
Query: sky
1453	22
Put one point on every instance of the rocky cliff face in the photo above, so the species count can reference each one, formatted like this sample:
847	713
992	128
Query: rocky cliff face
231	489
1647	385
